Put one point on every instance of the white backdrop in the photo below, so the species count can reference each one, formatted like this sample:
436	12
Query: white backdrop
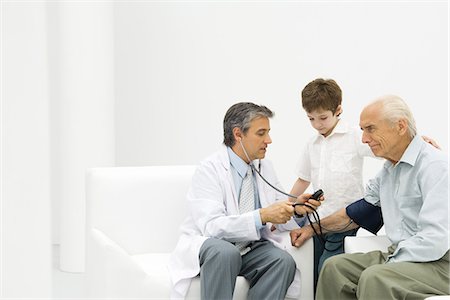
25	175
180	65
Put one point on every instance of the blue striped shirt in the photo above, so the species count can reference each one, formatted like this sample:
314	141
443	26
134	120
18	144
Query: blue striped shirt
239	170
413	195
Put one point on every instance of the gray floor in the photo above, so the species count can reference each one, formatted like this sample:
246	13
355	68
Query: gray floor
66	285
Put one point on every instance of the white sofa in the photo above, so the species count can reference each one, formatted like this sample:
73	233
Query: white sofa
364	241
134	214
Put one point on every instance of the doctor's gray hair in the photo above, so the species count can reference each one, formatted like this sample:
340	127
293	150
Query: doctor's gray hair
240	115
394	109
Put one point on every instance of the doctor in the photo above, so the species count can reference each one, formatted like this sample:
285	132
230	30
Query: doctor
224	236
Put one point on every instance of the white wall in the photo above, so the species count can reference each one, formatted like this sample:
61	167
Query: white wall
25	153
180	65
57	121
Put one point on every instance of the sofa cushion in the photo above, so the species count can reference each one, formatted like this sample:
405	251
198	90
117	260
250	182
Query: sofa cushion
155	266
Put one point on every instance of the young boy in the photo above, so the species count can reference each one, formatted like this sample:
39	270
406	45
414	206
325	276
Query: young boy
332	161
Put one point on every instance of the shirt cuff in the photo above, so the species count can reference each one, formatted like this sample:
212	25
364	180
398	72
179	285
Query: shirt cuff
300	221
258	221
303	176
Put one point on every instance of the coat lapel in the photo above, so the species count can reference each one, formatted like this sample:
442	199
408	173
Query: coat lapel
229	182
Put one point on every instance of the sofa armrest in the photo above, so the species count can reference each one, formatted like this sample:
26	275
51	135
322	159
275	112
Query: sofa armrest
112	273
304	259
365	244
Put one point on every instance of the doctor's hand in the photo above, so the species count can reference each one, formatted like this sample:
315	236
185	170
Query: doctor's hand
310	204
277	213
301	235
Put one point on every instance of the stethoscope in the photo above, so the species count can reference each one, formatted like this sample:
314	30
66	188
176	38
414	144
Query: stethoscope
252	166
315	214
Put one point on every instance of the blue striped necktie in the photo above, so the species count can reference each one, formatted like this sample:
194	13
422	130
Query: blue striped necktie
246	204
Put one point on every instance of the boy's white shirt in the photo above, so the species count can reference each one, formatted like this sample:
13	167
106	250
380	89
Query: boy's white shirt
334	164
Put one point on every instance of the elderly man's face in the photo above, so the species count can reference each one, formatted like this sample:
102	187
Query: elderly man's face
379	134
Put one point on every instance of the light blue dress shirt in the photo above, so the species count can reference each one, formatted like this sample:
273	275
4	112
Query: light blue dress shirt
413	195
238	170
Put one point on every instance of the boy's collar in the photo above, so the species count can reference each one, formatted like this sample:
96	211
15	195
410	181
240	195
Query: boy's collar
341	127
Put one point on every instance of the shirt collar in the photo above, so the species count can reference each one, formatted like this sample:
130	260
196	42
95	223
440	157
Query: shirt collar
238	163
341	127
411	153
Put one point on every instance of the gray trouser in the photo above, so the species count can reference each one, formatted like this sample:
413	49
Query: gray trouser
366	276
269	270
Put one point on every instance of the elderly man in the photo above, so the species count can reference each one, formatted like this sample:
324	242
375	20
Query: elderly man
231	216
412	191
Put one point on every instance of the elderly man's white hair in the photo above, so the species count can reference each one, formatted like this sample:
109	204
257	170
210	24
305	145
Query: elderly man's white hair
394	109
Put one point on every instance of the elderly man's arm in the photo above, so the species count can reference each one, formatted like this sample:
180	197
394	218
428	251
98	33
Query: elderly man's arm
431	241
337	222
359	213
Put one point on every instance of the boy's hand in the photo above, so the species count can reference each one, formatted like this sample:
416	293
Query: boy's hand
431	142
310	204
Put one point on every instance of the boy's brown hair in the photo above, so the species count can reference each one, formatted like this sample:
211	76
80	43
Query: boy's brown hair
321	94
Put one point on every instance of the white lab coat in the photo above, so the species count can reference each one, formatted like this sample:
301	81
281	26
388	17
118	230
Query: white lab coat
214	212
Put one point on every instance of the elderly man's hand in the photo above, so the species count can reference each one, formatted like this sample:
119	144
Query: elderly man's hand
310	204
301	235
277	213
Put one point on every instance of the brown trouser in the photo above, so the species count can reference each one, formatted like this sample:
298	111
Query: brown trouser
366	276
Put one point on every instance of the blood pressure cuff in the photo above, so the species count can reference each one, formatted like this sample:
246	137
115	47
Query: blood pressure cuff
366	215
